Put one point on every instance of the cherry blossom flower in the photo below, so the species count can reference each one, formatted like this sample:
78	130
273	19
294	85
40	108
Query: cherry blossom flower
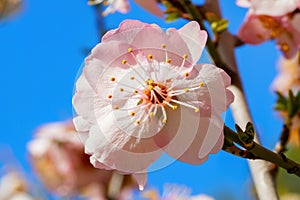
57	155
123	6
270	19
141	93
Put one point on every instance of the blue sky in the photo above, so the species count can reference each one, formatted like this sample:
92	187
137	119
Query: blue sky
42	49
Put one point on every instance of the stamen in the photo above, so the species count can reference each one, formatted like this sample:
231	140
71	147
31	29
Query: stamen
112	79
132	78
168	60
183	62
137	122
121	90
109	96
130	50
201	84
186	74
151	114
116	107
164	120
124	62
174	107
132	113
185	104
150	57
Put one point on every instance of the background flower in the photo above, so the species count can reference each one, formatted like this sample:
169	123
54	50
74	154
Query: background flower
267	20
58	157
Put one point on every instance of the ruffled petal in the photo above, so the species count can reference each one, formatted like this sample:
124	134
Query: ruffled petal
194	38
151	6
83	100
274	7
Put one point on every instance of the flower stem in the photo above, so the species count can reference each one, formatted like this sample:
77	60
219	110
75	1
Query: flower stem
259	152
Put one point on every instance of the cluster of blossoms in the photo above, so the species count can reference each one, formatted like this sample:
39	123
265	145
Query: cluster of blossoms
141	93
272	19
58	158
123	6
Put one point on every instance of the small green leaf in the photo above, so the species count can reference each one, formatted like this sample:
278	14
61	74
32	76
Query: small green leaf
172	17
292	105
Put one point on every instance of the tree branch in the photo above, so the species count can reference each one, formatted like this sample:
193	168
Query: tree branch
259	152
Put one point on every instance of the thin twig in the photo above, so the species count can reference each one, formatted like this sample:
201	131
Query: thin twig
260	152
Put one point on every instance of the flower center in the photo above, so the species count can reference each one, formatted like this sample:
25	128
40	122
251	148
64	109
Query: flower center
147	88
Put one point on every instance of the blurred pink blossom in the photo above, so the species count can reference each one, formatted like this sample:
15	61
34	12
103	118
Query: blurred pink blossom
174	192
14	187
141	93
272	19
123	6
289	75
57	155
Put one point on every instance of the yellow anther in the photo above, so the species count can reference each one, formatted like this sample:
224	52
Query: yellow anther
137	122
185	89
150	56
149	82
105	3
163	46
109	96
186	74
284	47
184	56
174	107
136	91
168	60
112	79
124	62
151	114
201	84
164	120
132	113
121	90
196	109
116	107
132	78
150	87
130	50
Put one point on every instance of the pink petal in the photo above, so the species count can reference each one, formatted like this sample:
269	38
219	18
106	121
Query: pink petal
151	6
82	126
83	100
121	6
194	38
274	7
286	44
117	150
252	31
104	56
243	3
216	82
126	31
